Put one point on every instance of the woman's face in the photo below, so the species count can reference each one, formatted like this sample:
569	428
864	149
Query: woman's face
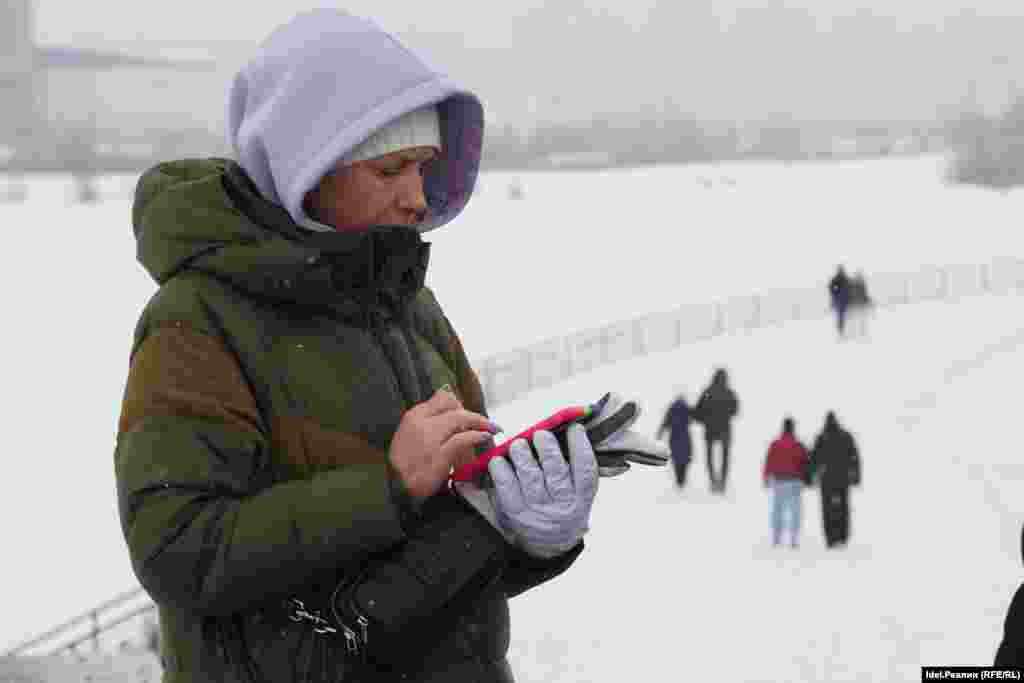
385	190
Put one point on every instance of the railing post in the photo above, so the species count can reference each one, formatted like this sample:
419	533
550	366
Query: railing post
529	370
639	343
95	631
604	347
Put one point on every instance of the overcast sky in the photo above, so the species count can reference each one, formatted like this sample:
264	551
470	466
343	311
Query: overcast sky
61	21
900	60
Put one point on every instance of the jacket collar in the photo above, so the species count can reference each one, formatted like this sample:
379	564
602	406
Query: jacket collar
373	271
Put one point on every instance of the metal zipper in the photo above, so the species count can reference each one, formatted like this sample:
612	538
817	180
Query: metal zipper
379	333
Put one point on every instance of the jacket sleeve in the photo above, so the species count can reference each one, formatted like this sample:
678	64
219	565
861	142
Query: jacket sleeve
450	556
522	570
700	411
805	465
814	459
207	528
855	472
766	469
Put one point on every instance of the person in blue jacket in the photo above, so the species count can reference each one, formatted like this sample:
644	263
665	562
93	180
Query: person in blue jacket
677	424
839	296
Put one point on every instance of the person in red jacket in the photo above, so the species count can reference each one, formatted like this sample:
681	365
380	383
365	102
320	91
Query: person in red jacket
785	471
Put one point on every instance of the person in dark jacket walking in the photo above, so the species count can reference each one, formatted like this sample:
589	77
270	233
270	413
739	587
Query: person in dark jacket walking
860	305
785	472
835	465
296	397
1011	648
839	295
715	409
677	424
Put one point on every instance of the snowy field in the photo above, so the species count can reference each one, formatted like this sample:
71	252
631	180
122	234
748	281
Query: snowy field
686	586
677	586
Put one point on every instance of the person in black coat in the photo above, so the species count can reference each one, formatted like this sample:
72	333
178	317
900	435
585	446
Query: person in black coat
839	295
677	424
860	305
715	409
835	464
1011	648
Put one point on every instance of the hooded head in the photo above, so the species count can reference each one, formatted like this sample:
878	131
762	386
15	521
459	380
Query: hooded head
788	426
831	423
720	378
328	90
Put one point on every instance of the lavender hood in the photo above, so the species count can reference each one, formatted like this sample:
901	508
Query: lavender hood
326	81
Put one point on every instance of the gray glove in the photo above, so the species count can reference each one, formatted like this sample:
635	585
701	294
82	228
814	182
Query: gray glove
540	504
616	444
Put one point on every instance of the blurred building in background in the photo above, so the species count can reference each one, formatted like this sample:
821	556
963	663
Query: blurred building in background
776	82
77	109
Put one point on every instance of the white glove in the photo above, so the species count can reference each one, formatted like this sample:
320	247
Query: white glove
540	504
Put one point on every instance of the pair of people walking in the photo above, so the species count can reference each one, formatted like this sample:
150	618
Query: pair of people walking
851	302
833	462
715	409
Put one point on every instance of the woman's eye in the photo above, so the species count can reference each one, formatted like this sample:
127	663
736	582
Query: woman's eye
390	172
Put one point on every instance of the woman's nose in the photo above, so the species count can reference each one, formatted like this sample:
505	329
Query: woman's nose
411	195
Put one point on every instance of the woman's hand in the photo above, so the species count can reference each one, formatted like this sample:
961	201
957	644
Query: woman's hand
432	437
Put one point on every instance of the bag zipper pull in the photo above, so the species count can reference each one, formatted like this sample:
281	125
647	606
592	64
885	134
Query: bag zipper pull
351	640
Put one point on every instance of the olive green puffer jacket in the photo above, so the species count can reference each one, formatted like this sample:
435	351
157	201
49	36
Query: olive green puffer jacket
268	376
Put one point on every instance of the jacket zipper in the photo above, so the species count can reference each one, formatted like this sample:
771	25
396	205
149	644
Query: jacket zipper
379	334
421	388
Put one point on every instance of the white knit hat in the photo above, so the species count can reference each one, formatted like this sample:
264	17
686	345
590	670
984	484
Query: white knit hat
418	128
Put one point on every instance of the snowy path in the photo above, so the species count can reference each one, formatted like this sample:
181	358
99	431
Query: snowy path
688	586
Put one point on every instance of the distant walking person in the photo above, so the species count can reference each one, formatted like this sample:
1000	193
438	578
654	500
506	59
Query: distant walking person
785	472
715	409
835	464
1011	648
860	304
677	424
839	295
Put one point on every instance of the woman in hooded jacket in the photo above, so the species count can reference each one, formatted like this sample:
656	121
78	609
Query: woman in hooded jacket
296	397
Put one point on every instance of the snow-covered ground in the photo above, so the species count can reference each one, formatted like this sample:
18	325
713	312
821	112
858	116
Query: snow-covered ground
686	586
672	585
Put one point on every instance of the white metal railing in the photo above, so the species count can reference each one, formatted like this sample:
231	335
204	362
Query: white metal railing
508	375
511	374
88	627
